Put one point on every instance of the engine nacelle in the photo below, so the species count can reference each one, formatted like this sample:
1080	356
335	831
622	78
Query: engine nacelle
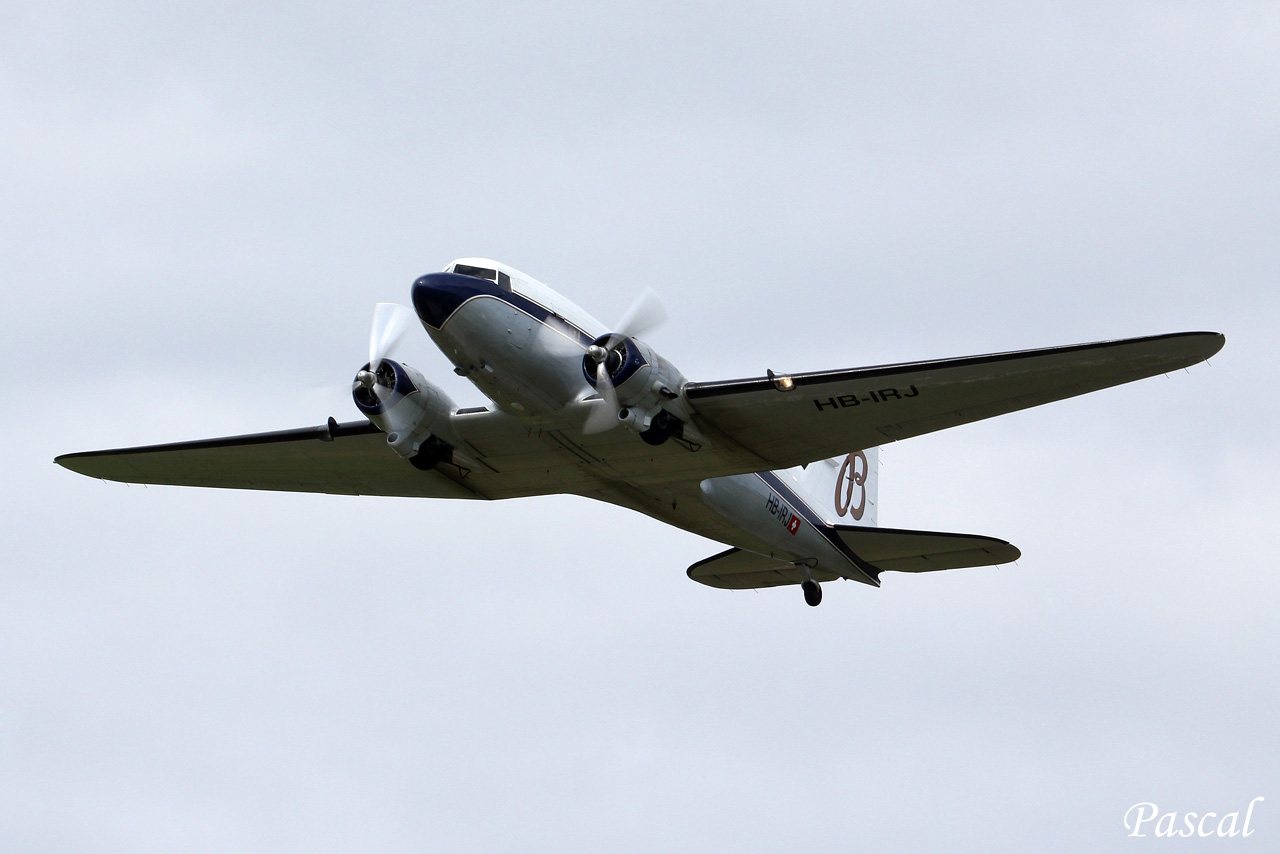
415	415
648	388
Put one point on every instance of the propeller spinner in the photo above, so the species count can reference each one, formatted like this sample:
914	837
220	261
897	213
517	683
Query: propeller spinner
377	383
607	358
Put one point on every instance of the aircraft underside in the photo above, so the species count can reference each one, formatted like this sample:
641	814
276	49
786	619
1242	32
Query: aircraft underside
781	468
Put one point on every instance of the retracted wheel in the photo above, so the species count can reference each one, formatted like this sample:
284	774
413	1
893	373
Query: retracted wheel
812	592
431	453
663	426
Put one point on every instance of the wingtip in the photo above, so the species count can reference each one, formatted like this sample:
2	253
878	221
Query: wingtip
1213	342
1198	346
68	461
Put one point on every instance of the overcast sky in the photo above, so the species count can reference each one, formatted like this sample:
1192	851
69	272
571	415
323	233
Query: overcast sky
201	204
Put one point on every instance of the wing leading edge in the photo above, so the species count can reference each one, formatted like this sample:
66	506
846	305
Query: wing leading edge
826	413
339	459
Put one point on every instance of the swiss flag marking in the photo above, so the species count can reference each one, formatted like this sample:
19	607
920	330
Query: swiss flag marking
794	524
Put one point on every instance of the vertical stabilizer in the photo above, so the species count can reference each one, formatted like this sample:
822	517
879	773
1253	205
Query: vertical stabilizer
843	490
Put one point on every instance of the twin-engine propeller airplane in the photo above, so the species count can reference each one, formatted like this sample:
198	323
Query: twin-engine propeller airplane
781	468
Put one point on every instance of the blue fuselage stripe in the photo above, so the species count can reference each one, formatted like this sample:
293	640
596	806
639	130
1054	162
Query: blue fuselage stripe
438	296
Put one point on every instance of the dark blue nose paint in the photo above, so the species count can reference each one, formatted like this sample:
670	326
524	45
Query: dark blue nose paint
436	296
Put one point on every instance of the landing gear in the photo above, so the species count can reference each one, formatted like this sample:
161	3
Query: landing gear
432	452
663	426
812	592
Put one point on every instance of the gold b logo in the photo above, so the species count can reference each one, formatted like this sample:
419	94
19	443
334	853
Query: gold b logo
853	473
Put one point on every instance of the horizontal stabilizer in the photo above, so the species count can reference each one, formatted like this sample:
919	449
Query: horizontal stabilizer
886	549
894	550
736	569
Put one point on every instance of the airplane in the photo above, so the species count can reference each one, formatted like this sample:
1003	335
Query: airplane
781	468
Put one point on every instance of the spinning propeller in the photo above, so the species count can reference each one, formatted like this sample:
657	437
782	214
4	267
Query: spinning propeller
376	381
605	356
413	413
390	321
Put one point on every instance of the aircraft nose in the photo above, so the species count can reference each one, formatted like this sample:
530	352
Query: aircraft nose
436	296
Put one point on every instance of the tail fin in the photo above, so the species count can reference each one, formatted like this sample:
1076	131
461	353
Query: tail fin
842	489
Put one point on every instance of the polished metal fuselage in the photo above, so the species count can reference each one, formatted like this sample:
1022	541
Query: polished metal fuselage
524	351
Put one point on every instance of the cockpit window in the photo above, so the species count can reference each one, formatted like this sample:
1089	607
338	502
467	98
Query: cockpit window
504	281
477	272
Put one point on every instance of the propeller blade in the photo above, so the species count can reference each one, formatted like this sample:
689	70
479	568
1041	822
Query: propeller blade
607	390
603	417
395	417
390	321
555	345
645	314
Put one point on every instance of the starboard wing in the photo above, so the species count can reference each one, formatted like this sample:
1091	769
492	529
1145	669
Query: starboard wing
828	413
